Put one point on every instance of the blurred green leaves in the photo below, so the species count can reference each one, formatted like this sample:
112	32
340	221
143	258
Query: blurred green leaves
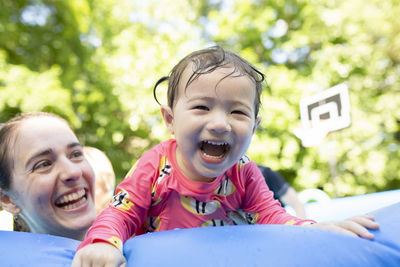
95	63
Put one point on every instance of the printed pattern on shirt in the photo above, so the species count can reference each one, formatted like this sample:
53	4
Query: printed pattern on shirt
152	224
226	187
121	200
251	218
133	168
290	222
306	223
215	222
243	161
237	216
164	170
116	242
198	207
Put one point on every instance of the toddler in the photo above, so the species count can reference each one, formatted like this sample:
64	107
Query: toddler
202	177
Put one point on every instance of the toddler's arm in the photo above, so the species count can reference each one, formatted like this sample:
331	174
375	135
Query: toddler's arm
355	226
99	254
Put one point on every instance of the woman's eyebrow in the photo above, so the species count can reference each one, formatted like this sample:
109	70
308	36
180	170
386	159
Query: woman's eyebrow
74	144
49	151
39	154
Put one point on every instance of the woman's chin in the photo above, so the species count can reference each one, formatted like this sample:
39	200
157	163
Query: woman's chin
76	217
78	226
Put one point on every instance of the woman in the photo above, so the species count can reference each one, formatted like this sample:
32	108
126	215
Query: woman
44	177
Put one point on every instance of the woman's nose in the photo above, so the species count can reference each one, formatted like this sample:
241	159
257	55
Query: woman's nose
69	171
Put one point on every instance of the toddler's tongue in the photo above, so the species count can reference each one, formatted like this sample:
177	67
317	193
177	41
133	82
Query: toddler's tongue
213	150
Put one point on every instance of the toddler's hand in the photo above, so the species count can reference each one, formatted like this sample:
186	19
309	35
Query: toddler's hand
99	254
355	226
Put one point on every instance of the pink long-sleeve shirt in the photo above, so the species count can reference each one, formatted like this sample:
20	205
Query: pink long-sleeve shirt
156	196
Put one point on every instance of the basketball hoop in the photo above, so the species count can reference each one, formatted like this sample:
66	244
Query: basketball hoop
322	113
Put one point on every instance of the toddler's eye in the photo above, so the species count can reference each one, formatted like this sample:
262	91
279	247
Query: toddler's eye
239	112
201	107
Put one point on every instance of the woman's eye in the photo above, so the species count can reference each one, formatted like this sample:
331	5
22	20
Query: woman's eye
201	107
77	154
41	165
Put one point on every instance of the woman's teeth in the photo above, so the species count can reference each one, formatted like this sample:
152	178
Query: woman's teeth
72	200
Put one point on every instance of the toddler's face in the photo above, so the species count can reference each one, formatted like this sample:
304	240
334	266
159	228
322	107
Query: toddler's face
213	121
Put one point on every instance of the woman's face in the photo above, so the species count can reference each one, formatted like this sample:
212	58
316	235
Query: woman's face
52	183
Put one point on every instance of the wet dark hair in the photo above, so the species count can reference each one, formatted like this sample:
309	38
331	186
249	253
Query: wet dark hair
8	131
206	61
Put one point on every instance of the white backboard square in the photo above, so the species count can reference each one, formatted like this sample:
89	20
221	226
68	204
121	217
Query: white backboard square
329	109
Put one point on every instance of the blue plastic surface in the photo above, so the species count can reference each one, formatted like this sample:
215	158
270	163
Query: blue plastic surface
244	245
268	245
28	249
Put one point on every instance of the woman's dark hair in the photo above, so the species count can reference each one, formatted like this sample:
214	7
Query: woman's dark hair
206	61
8	131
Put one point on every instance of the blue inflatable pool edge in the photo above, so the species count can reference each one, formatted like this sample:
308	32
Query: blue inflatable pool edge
269	245
244	245
29	249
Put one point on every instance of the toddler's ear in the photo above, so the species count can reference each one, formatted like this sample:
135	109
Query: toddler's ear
7	204
258	121
168	118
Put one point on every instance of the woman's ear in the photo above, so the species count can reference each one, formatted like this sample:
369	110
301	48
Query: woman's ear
168	116
7	203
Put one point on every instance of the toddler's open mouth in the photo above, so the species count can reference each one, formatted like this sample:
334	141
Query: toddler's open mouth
214	149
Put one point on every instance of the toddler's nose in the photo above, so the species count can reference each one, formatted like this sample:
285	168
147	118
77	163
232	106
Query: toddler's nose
219	123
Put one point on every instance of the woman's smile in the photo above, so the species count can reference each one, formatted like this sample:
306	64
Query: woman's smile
72	200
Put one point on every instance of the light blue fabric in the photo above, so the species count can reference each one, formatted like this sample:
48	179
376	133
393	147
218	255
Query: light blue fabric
242	245
28	249
269	245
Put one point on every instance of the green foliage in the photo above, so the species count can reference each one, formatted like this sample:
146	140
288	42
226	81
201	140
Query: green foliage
310	47
95	63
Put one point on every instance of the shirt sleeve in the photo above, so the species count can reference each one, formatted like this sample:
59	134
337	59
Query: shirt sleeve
259	202
125	215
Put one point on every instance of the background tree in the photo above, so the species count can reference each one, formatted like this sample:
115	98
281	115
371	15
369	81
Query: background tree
95	63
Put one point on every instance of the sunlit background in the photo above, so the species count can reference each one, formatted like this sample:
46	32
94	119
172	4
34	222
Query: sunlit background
94	62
